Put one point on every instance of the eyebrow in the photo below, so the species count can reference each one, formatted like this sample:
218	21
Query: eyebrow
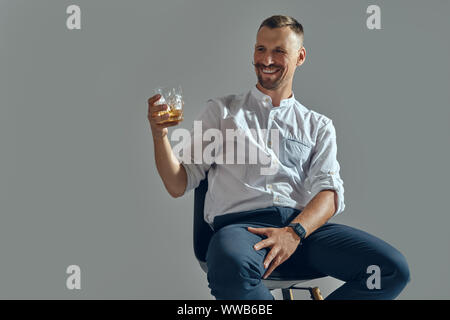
277	47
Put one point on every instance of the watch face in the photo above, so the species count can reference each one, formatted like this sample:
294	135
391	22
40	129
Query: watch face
299	230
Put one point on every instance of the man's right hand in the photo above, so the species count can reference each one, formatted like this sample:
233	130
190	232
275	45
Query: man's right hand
159	130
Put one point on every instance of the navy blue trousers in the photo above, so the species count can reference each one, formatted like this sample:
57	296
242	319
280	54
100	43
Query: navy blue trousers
235	268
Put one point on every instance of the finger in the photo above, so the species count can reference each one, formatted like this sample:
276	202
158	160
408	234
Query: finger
157	107
275	263
270	256
257	230
153	99
168	124
153	112
161	118
263	244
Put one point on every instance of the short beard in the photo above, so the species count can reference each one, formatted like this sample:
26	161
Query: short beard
268	85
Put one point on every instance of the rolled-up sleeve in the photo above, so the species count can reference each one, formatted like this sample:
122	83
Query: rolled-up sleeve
323	173
196	172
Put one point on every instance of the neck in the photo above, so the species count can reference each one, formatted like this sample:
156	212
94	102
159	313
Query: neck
278	94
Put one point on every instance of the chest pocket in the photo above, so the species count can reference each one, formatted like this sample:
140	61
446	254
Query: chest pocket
294	153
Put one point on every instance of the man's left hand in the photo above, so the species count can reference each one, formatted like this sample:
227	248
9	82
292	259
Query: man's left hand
282	241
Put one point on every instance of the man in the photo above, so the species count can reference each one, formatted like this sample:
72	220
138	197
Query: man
277	222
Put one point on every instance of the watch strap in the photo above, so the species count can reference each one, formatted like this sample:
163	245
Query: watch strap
298	229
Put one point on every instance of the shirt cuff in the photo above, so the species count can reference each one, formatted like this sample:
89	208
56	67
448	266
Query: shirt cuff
330	182
195	174
189	183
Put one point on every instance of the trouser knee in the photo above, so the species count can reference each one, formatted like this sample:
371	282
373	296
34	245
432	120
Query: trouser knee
231	277
400	274
395	273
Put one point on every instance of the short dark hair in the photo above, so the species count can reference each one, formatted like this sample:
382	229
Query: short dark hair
279	21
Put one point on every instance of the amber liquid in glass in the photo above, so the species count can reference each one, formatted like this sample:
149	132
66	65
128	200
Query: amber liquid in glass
175	115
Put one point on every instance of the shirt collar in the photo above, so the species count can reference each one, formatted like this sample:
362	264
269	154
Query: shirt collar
266	100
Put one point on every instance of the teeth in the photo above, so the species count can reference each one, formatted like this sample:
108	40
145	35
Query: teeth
269	70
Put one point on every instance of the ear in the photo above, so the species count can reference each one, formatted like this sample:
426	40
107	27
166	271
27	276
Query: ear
301	56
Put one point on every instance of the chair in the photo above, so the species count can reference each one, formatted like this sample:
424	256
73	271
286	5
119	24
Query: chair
203	234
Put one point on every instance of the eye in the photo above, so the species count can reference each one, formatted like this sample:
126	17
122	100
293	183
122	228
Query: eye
279	51
260	49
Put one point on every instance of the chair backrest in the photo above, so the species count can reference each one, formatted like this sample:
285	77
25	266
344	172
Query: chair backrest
202	231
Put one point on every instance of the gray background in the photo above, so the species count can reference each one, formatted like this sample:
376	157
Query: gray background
78	184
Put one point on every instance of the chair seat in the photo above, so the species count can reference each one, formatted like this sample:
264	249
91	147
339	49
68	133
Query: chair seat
273	282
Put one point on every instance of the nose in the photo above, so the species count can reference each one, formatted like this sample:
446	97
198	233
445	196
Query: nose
267	59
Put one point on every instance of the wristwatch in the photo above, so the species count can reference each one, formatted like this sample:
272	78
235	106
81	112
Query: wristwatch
299	230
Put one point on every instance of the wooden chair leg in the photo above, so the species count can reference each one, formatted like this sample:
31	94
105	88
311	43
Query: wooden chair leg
316	294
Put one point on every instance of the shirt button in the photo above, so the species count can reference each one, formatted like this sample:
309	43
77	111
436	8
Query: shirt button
277	198
269	186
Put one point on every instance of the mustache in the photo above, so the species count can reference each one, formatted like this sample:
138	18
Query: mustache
260	65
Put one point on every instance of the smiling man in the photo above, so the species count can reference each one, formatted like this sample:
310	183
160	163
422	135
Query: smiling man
277	223
278	52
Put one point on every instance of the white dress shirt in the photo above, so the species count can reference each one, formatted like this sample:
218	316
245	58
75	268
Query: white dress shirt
306	160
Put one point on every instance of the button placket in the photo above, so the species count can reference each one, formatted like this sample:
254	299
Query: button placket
269	126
